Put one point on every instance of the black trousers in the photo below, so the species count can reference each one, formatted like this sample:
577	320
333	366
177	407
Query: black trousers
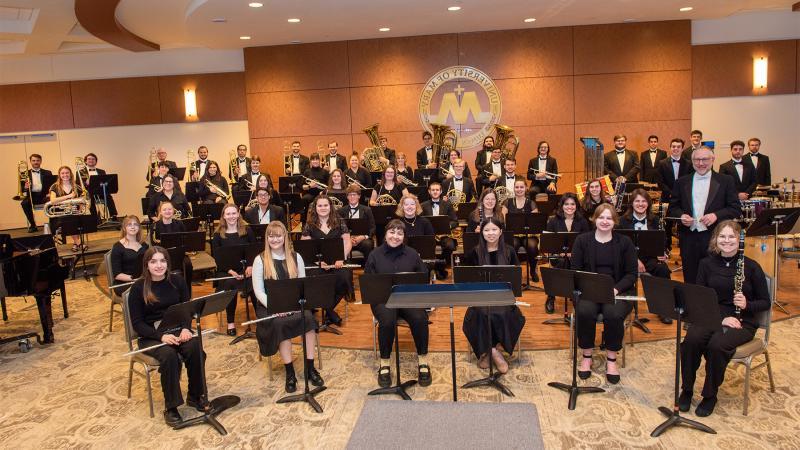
539	186
448	246
38	199
531	250
387	319
669	226
613	323
694	247
366	246
718	349
169	358
656	268
230	285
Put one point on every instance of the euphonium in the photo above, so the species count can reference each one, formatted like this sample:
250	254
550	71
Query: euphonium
72	207
385	199
22	178
373	155
444	140
504	135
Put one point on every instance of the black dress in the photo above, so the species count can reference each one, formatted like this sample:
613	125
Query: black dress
506	321
344	276
127	261
232	239
396	192
532	249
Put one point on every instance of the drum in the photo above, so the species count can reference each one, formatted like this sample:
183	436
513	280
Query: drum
761	250
752	207
785	242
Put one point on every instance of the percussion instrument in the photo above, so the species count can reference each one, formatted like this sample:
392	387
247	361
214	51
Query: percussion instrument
751	208
785	242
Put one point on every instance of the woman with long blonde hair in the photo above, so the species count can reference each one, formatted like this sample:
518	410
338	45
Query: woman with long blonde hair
126	254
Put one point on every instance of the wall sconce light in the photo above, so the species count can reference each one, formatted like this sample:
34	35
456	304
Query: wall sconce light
760	72
190	103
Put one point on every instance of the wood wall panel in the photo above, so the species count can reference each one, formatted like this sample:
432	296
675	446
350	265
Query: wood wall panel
396	108
271	149
407	142
539	52
559	137
35	107
537	101
633	97
407	60
633	47
797	68
726	70
299	113
220	96
294	67
114	102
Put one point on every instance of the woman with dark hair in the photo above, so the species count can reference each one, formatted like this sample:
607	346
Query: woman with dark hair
506	321
613	254
170	192
357	172
388	185
719	271
487	207
538	169
336	182
212	175
393	256
126	265
148	300
521	203
595	196
449	171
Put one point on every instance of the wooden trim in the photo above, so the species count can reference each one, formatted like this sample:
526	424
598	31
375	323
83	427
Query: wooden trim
98	17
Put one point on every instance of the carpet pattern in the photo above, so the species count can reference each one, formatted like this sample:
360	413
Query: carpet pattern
73	394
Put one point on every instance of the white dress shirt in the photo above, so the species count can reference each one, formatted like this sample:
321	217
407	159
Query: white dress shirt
542	168
36	180
352	212
621	160
676	167
263	217
332	162
201	169
497	168
754	158
510	182
700	186
258	281
242	166
458	184
638	225
295	164
739	168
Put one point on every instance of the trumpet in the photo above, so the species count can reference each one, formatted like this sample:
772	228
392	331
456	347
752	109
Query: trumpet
312	182
447	172
406	181
547	174
156	187
217	190
352	180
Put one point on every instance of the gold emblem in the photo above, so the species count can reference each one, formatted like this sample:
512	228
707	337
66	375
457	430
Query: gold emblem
464	98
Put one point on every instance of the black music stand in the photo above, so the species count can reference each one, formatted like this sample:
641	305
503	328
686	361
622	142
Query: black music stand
423	176
465	209
259	230
668	298
649	244
250	253
209	212
232	257
420	191
179	173
107	184
773	222
569	283
511	277
318	251
290	185
526	224
358	227
292	204
191	241
558	244
241	197
376	289
192	191
440	223
72	225
366	194
197	308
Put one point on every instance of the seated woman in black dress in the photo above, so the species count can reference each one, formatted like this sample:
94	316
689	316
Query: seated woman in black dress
522	203
409	211
213	195
170	192
279	262
506	321
388	185
718	271
232	230
595	196
487	207
167	223
149	298
403	170
324	223
604	252
127	253
394	257
336	183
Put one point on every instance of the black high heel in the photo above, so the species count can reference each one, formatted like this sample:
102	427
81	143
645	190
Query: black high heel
613	379
585	374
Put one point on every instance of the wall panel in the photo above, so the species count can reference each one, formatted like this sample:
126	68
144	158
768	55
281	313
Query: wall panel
113	102
220	96
299	113
35	106
296	67
406	60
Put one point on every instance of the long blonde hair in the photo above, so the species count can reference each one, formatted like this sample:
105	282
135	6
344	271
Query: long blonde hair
124	231
241	225
276	227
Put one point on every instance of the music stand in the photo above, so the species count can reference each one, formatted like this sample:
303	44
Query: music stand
559	243
511	277
293	204
383	213
197	308
290	185
376	289
72	225
565	283
358	227
192	191
191	241
526	224
259	230
318	251
773	222
178	172
420	191
668	298
649	244
210	212
423	176
465	209
108	184
366	194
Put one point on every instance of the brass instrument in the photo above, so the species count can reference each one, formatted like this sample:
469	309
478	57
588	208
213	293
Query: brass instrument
373	155
385	199
313	183
352	180
80	167
233	165
444	140
456	198
192	163
738	279
505	134
502	194
22	178
336	203
446	172
72	207
151	163
156	187
547	175
252	204
287	159
218	190
406	181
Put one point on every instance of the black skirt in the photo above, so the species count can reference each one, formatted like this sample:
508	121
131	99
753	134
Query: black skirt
507	323
270	333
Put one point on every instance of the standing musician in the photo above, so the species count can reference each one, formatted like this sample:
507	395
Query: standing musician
720	272
149	298
280	262
695	141
127	253
700	201
388	185
506	321
324	223
538	167
358	172
170	193
390	159
299	163
336	182
437	206
37	193
201	164
639	216
167	223
63	190
487	207
460	181
333	160
157	181
760	162
492	170
249	180
425	157
567	218
621	162
520	202
650	159
595	196
241	165
161	157
91	170
232	230
320	177
741	170
449	170
355	210
393	256
402	169
263	212
669	170
212	175
484	155
604	252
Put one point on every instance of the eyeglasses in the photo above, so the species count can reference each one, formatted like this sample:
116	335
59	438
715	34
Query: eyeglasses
702	160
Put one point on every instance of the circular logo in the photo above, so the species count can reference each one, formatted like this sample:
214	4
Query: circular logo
463	98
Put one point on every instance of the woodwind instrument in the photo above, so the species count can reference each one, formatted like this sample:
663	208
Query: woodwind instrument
738	280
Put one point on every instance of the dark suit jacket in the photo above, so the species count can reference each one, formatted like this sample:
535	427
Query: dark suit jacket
305	163
467	173
247	162
422	157
276	213
649	170
763	172
341	161
469	188
363	212
722	199
550	166
666	175
501	181
482	179
481	159
208	161
748	181
630	170
391	155
40	197
170	164
445	209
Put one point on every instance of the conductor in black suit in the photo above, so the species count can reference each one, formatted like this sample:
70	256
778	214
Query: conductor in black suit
437	206
668	171
760	162
650	158
355	210
263	212
741	170
37	187
425	156
621	162
541	183
701	201
298	163
95	190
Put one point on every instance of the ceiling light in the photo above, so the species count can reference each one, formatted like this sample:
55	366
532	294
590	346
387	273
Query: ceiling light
244	38
255	5
293	20
686	8
454	8
529	20
190	103
384	29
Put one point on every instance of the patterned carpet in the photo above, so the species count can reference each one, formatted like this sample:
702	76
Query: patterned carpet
73	394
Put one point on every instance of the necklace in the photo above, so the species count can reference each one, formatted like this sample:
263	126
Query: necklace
728	261
412	222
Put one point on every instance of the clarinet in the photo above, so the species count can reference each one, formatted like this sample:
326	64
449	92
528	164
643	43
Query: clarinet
738	280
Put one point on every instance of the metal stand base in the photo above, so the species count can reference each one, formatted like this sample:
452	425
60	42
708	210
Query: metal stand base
246	335
400	390
307	397
218	405
574	390
563	320
493	380
329	329
674	418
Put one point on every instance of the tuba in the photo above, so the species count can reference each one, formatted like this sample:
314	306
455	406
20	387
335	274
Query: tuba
444	140
373	155
504	135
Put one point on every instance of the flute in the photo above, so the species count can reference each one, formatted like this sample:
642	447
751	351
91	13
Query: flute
283	314
142	350
630	298
344	266
124	284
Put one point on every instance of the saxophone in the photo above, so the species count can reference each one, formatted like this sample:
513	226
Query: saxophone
738	279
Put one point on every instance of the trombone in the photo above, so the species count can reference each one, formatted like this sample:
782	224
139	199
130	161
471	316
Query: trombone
233	166
151	164
287	159
192	164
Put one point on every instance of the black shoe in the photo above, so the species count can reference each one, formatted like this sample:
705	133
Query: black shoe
33	229
685	401
613	379
585	374
534	276
384	377
665	320
231	331
550	305
442	274
291	383
334	318
199	404
172	417
706	406
424	376
314	377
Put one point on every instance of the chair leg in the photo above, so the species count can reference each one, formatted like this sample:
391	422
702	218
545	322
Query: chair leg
769	372
269	367
149	389
624	355
746	387
375	340
130	378
111	319
346	312
319	355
